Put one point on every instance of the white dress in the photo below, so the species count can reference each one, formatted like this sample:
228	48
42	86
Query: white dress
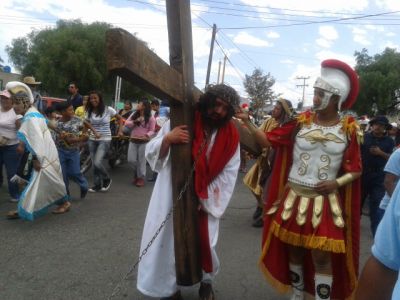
156	272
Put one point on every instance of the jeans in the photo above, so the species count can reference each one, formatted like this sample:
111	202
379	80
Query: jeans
71	168
10	158
98	150
373	188
136	157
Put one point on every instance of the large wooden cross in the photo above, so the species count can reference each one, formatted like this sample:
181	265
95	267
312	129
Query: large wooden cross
130	58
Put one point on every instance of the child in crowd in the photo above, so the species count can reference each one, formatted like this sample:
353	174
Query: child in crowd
71	132
81	110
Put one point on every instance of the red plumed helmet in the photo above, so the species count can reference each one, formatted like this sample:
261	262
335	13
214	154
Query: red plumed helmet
340	79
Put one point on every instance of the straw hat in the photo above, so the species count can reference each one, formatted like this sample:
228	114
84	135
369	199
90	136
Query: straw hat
30	80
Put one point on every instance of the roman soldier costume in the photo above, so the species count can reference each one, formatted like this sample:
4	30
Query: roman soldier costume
297	215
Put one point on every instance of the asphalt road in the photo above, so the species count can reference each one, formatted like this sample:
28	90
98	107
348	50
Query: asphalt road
86	253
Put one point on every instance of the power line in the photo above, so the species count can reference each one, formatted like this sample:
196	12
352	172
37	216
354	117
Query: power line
264	12
312	22
242	53
230	62
284	9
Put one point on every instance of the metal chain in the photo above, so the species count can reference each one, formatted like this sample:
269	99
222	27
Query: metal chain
168	216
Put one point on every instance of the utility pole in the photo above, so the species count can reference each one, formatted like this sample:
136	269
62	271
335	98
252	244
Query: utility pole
304	85
223	69
214	31
117	92
219	71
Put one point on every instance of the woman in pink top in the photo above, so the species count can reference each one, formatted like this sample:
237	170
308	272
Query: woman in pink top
143	126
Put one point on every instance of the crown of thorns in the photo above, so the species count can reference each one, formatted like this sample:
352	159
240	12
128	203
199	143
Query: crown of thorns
225	93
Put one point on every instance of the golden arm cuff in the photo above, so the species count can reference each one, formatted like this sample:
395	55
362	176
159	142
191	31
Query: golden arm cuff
345	179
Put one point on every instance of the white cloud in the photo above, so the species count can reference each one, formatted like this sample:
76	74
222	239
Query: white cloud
390	44
287	62
361	36
328	33
327	54
312	5
273	35
323	43
390	34
389	4
245	38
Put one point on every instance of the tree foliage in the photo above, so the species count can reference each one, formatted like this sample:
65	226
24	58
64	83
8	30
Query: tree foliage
259	88
379	82
72	51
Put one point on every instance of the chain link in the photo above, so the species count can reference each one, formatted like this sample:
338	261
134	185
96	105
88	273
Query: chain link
168	216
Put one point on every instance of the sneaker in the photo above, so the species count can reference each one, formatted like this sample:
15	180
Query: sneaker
84	193
95	189
106	185
140	182
13	200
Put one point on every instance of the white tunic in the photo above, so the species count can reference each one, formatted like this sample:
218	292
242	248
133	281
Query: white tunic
156	272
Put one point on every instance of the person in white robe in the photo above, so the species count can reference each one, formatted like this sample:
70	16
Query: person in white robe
46	185
156	271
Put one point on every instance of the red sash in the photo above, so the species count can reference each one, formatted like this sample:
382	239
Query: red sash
225	145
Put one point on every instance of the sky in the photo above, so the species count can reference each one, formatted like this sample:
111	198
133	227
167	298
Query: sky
286	38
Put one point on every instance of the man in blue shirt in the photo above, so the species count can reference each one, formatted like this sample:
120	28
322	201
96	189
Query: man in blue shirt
375	152
379	279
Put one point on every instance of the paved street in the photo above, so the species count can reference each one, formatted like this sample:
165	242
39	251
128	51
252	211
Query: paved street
86	252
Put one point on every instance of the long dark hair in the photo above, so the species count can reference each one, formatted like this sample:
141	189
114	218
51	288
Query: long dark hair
100	109
208	100
146	113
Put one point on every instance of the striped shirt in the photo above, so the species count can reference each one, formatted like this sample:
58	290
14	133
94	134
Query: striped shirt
102	124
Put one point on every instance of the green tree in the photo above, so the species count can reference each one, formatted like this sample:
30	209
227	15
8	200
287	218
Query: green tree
72	51
379	77
258	87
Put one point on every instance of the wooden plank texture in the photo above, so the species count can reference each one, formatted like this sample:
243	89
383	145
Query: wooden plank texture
131	59
186	232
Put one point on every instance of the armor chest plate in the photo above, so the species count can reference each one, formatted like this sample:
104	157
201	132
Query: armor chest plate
318	153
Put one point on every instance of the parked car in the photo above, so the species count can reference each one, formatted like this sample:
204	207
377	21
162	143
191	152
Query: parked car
50	101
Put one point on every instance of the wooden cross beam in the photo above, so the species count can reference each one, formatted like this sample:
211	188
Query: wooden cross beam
131	59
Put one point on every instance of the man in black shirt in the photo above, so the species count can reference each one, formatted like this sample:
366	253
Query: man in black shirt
75	98
375	152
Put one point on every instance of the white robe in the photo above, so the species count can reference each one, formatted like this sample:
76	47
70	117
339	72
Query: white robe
47	186
156	272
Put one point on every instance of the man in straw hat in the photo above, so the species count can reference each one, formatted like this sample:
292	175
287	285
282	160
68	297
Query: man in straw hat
37	98
311	226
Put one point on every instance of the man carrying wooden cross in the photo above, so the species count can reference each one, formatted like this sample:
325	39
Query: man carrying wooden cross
216	151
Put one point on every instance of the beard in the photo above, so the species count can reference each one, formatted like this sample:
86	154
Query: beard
214	121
